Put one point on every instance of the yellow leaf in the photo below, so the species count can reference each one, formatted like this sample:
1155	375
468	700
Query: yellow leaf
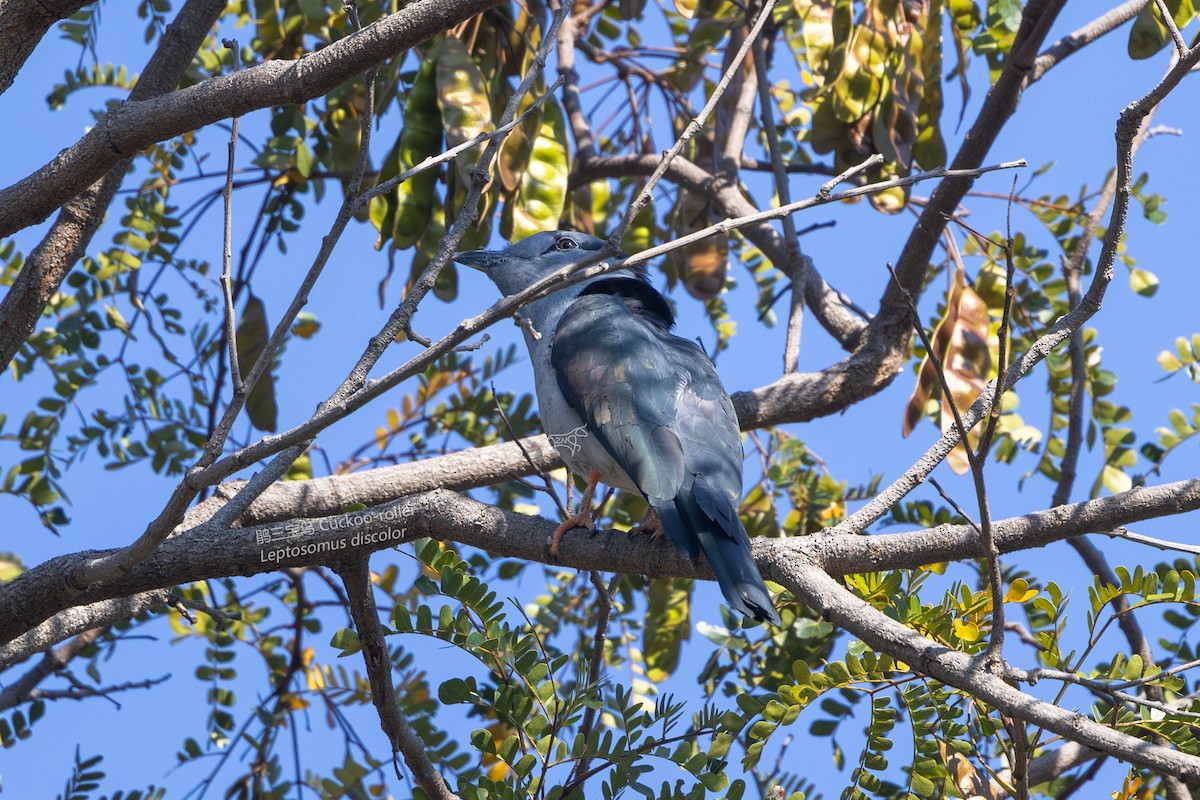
115	319
393	417
1019	591
381	437
295	702
962	773
967	631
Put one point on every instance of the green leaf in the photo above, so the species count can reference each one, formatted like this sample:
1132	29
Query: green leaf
1143	282
1115	480
252	335
345	640
667	626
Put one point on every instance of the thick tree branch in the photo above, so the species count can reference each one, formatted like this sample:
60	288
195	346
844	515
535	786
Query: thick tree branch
835	603
64	244
73	621
207	553
135	125
804	565
23	23
19	691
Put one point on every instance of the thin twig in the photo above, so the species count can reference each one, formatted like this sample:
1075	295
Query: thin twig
548	488
1003	335
1161	544
234	508
693	127
227	251
185	606
953	504
798	264
845	175
994	653
1181	47
1082	37
1032	676
355	574
604	601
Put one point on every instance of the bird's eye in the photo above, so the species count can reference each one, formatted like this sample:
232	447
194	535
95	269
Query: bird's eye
566	244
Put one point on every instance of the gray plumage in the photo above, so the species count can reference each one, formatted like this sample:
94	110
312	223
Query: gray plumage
621	395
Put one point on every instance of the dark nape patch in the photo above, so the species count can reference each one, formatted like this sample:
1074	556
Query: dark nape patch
642	299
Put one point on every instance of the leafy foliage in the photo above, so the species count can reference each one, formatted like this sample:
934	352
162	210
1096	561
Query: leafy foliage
130	366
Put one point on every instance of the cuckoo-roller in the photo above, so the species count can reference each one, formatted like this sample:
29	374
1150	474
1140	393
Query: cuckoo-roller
626	401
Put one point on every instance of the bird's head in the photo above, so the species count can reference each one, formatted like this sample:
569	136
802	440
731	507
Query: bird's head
523	263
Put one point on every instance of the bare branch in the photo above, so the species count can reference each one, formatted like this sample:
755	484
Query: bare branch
1161	544
235	370
1181	48
355	573
205	552
798	265
20	690
1081	38
835	603
22	26
73	621
693	127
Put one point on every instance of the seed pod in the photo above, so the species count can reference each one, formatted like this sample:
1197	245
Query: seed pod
404	214
513	157
702	265
640	232
588	207
539	201
446	286
463	99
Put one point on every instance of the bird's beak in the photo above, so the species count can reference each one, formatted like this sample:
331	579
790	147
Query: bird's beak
482	260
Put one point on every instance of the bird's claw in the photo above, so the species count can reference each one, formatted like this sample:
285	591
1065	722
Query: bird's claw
582	520
650	526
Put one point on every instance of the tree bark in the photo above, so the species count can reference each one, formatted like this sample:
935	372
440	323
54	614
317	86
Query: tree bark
23	23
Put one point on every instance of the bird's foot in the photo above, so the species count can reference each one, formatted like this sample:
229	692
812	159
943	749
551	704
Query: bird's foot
650	525
580	520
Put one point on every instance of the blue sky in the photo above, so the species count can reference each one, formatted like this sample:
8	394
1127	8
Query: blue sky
1068	118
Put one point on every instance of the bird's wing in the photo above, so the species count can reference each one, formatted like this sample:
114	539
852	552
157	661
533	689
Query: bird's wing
657	406
615	373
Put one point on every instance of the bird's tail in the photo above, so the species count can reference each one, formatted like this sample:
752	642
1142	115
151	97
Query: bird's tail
710	520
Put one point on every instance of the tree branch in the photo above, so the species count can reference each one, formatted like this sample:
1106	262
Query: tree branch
1084	36
356	575
203	552
835	603
23	23
72	621
134	125
64	244
19	690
